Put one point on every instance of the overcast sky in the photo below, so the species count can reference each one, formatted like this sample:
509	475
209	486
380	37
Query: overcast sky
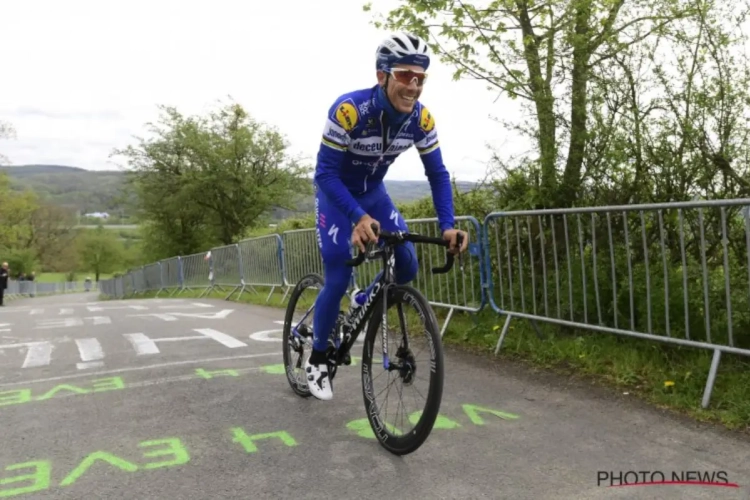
81	77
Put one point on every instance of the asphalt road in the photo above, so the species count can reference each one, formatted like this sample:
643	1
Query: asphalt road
173	399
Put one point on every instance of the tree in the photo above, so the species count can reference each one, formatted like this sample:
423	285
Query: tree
206	180
52	237
99	251
547	54
16	210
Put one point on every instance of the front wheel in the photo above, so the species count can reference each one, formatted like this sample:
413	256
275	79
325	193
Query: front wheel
297	337
414	370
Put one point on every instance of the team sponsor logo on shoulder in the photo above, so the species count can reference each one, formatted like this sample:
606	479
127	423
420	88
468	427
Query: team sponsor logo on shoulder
346	115
333	132
431	137
364	107
426	120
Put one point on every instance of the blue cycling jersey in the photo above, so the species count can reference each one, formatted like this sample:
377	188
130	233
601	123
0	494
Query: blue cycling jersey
363	136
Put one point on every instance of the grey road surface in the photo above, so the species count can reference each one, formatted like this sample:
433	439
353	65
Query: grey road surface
186	399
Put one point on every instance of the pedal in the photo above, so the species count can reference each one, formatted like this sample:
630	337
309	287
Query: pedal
347	359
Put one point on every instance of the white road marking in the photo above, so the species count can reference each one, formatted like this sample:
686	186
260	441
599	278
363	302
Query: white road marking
192	305
172	316
113	308
219	315
91	353
165	317
47	324
90	364
144	345
139	368
66	311
264	336
37	353
223	338
100	320
58	323
38	310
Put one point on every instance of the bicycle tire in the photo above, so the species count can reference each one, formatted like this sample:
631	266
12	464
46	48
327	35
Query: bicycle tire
306	282
411	441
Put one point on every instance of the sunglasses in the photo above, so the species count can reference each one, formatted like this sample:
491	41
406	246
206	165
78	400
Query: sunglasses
406	76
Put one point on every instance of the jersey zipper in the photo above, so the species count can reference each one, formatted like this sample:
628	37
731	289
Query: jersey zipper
384	144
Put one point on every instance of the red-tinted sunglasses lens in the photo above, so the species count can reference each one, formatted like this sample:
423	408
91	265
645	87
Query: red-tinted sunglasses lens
407	76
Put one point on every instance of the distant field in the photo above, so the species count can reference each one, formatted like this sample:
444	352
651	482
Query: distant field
58	277
109	226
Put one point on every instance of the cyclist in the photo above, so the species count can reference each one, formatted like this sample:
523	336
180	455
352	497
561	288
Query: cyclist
365	132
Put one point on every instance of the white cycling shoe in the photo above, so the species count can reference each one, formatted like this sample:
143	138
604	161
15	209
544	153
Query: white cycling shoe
318	381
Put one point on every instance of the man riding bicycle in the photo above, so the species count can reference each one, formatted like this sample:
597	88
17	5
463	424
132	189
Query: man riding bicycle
365	132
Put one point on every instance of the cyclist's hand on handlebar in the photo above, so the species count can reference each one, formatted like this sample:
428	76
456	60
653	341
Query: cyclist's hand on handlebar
452	235
362	233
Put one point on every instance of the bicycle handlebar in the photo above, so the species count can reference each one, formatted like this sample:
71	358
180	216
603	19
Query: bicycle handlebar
401	236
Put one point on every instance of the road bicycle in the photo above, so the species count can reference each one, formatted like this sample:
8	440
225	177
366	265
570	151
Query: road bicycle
367	311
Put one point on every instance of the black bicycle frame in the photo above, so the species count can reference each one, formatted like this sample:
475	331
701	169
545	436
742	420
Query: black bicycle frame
380	287
363	313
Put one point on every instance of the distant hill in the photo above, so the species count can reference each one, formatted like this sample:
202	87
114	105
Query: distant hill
72	187
102	191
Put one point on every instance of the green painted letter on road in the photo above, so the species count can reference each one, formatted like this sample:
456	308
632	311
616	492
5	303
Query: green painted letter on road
15	397
248	442
113	460
205	374
108	384
174	448
64	387
40	478
473	412
362	427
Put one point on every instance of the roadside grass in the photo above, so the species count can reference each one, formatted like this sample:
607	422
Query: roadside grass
667	376
59	277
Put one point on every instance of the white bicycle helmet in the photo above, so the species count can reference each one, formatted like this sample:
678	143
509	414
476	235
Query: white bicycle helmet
402	48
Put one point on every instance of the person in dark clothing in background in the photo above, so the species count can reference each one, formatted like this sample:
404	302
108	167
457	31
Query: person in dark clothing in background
3	281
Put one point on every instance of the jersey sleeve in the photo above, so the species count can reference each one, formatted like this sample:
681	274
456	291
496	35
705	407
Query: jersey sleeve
342	120
440	182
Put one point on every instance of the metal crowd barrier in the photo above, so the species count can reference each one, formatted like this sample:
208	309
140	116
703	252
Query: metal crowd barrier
675	272
19	289
659	279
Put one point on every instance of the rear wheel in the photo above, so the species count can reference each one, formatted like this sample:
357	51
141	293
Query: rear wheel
297	337
414	373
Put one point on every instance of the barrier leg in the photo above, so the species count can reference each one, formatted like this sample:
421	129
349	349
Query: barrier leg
232	292
447	320
502	334
711	378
